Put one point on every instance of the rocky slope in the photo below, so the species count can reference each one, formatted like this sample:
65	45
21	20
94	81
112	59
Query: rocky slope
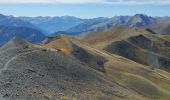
45	73
68	68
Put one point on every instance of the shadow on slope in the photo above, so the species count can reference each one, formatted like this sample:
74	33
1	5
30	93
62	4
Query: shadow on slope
133	43
58	69
121	70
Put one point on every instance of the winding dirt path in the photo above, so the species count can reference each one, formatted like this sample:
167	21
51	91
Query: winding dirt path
13	58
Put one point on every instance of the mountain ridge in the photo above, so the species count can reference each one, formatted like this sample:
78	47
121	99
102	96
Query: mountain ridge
73	25
47	70
136	44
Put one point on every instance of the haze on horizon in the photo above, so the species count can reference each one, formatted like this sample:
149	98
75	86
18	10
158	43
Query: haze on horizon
84	8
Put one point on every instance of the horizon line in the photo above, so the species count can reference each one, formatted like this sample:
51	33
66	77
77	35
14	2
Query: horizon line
130	15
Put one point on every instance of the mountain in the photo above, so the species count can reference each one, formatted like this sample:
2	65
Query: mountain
111	22
165	19
44	73
160	28
69	24
67	68
53	24
140	20
88	25
8	32
136	44
72	25
118	58
13	21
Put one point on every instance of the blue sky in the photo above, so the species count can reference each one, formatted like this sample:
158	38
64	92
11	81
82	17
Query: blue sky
84	9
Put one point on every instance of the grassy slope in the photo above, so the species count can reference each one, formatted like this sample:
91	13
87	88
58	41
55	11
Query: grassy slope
153	84
134	43
161	28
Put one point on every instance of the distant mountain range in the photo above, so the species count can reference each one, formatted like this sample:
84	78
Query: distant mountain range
13	21
77	25
138	20
52	26
11	27
69	24
9	32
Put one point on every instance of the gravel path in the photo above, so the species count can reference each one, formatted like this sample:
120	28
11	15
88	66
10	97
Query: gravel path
7	63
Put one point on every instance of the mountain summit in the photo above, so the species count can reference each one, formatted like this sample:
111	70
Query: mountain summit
141	20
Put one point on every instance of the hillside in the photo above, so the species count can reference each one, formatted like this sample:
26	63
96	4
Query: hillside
8	32
67	68
41	74
133	43
160	28
116	68
65	33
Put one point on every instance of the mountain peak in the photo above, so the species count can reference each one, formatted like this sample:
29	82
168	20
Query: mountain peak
141	20
15	42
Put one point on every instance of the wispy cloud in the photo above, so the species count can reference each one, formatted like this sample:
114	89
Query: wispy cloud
90	1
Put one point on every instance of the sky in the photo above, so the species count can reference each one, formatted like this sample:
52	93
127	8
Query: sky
84	8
